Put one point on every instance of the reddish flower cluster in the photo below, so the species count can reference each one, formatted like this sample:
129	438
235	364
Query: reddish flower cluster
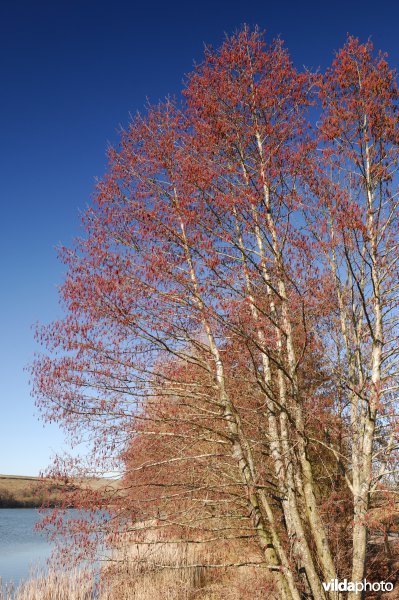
230	339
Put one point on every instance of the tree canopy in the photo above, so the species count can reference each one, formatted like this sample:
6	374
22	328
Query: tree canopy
230	332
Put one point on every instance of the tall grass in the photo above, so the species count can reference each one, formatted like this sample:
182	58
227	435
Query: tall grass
147	571
154	567
54	585
151	570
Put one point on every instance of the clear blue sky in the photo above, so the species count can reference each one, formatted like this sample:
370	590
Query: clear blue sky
70	72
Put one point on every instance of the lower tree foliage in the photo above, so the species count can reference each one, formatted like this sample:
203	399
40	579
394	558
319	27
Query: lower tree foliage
230	338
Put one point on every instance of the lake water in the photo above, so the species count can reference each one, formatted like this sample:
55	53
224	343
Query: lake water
21	547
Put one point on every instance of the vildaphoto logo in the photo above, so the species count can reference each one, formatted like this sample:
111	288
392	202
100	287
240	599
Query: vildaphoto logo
335	585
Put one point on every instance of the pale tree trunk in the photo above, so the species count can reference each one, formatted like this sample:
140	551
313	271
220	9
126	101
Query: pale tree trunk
279	443
268	537
363	486
312	511
303	469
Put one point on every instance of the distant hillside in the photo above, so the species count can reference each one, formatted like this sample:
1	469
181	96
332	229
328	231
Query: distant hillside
18	491
26	492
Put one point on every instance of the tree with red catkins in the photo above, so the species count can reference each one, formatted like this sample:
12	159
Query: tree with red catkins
223	343
357	232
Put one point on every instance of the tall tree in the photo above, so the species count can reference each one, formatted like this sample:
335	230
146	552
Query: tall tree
227	306
360	133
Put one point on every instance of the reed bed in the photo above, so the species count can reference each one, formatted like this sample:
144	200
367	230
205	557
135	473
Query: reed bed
52	585
173	571
150	569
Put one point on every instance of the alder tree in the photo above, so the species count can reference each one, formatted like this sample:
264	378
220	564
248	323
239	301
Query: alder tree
229	344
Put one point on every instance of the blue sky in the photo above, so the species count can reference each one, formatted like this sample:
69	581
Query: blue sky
70	73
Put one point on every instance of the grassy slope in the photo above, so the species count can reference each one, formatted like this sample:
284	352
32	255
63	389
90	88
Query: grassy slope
29	492
21	492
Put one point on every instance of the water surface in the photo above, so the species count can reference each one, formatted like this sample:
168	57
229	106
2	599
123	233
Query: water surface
21	547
